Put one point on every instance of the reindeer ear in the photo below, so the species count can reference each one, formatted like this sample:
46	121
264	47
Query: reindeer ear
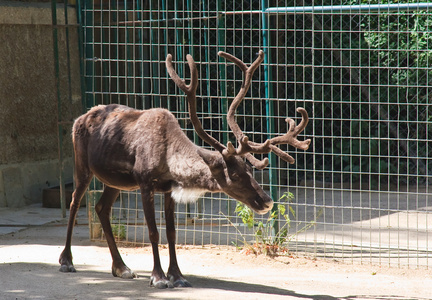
214	161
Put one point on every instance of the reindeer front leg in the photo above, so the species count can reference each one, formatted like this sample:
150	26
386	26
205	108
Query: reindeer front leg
158	278
82	180
174	273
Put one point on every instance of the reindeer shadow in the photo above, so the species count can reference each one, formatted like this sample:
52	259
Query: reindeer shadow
261	291
23	280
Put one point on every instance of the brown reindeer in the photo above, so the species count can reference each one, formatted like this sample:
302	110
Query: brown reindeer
130	149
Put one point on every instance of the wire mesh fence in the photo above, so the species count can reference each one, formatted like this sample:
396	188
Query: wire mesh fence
361	69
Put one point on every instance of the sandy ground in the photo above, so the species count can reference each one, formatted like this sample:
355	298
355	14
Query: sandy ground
29	270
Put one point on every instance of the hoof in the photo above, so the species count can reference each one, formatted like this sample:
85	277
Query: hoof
129	275
161	284
126	274
178	280
67	269
181	283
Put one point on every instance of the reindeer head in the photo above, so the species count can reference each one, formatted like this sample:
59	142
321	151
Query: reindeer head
226	164
234	177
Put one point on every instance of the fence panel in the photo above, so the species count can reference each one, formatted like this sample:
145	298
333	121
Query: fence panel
362	191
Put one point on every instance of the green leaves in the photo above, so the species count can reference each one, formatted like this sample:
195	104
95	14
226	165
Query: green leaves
272	234
268	239
246	214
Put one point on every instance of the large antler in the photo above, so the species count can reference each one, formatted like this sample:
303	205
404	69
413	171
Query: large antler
245	146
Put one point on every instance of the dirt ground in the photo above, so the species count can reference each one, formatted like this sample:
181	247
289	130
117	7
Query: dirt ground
29	270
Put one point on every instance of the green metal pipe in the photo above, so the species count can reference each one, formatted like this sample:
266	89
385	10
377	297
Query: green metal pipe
350	9
331	9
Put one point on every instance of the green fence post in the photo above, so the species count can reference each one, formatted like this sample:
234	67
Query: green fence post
79	11
222	80
154	56
88	57
59	107
269	105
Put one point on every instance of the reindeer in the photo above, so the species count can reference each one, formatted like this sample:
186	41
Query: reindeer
130	149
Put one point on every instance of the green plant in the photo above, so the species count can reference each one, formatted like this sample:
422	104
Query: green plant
270	236
118	229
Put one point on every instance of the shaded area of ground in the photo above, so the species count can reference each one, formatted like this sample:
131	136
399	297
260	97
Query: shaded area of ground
29	270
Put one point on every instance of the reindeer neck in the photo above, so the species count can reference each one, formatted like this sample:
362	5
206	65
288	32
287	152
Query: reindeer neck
190	171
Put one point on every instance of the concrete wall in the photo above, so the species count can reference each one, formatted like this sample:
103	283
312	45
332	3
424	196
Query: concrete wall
28	100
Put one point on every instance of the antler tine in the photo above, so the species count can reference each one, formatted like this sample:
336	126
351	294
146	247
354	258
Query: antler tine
235	60
291	136
190	91
259	164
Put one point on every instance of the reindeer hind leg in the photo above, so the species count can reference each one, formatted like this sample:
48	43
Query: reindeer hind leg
103	210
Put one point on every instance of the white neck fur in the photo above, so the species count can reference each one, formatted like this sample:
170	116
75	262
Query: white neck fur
186	195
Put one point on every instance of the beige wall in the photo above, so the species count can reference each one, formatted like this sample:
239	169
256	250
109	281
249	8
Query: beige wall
28	100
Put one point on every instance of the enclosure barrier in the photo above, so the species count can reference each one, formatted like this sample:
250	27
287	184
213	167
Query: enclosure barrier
362	70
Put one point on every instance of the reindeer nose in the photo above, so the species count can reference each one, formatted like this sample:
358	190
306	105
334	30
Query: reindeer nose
266	207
